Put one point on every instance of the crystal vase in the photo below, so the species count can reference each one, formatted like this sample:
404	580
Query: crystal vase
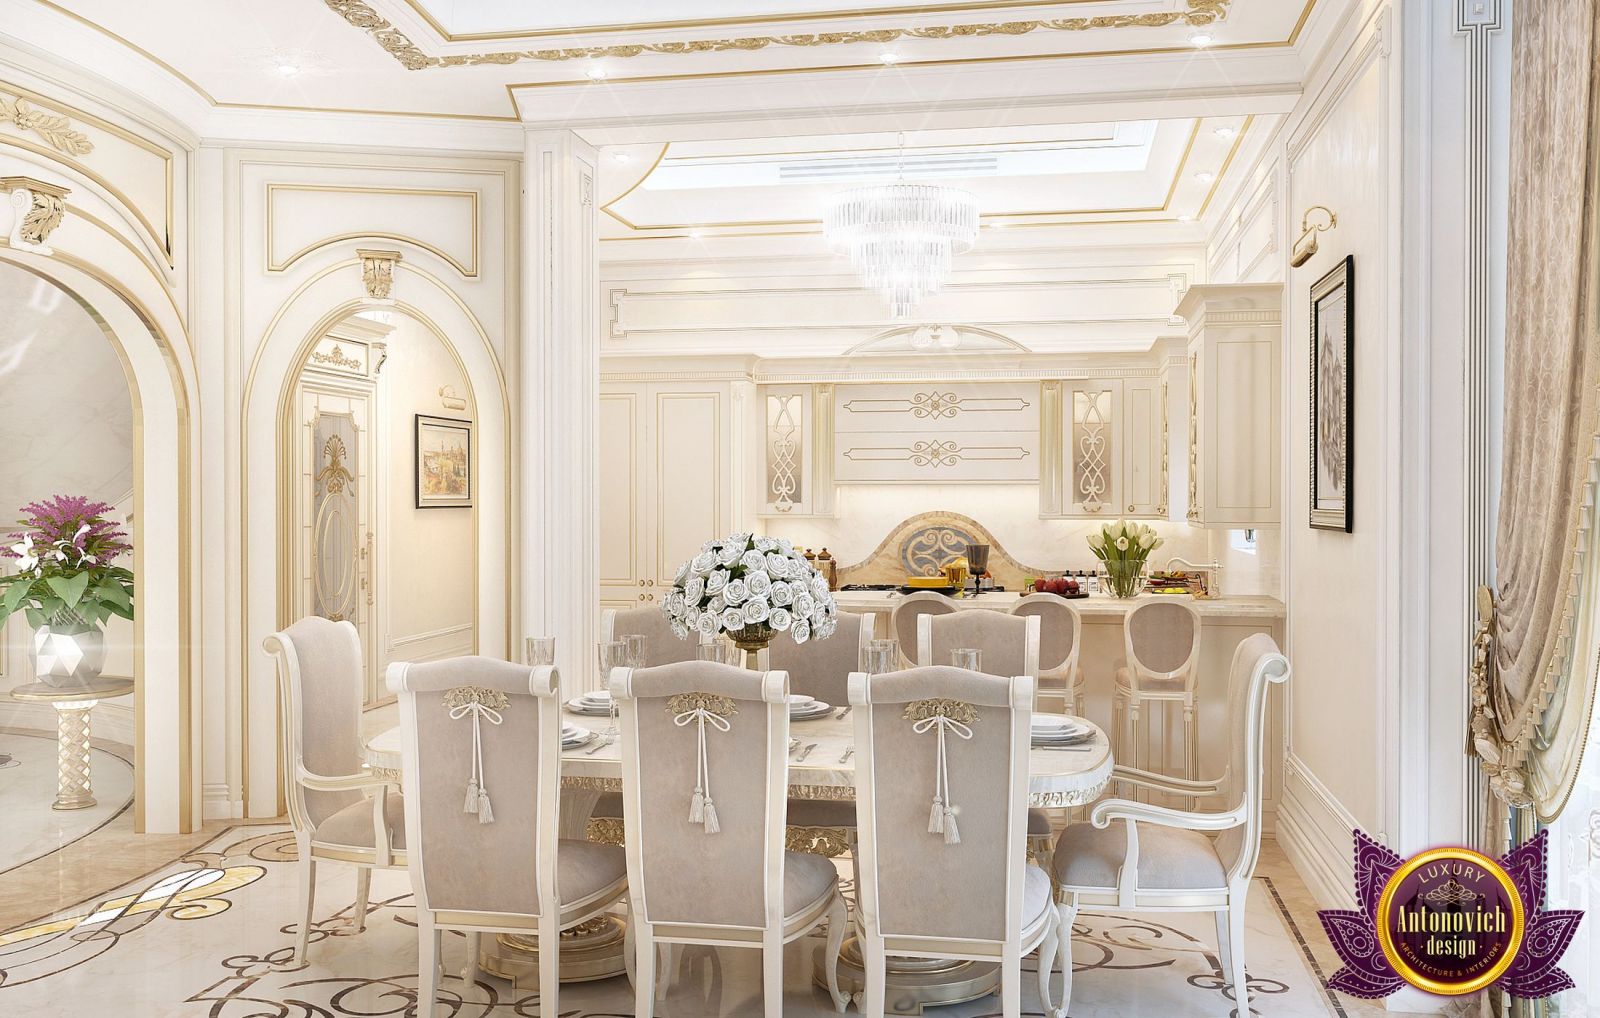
1124	579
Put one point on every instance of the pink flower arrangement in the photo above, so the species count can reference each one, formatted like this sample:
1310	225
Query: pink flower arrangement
64	574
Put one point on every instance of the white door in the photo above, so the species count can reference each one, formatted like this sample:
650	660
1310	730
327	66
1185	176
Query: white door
335	518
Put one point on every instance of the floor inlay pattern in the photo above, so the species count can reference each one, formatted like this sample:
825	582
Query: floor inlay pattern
210	935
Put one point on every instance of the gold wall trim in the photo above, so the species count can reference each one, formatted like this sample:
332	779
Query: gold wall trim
362	16
161	236
469	270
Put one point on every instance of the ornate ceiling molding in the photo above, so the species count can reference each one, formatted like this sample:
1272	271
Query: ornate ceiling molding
361	15
57	131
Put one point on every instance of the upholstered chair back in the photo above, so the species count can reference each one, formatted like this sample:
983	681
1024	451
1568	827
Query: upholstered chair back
1162	641
481	743
1060	631
1257	664
320	678
903	620
661	645
704	786
821	668
1009	644
963	880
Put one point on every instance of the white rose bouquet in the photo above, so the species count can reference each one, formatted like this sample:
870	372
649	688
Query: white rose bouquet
751	588
1123	548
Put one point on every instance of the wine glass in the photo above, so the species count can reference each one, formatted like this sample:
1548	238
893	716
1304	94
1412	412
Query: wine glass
970	658
541	650
635	644
879	657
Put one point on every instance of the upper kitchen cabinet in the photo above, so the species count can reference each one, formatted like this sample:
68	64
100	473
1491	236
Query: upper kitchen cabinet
1104	441
1236	404
936	432
667	479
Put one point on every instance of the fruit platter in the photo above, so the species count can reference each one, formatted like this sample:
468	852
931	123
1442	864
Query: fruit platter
1061	586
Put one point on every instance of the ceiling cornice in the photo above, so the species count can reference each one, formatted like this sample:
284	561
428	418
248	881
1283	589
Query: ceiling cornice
397	44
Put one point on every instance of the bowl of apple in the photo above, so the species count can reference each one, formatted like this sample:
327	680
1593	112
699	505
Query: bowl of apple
1061	586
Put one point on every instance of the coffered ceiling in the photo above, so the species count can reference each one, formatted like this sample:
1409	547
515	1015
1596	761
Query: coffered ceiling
494	59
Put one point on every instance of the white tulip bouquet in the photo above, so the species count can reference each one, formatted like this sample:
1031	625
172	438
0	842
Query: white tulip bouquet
1123	549
751	588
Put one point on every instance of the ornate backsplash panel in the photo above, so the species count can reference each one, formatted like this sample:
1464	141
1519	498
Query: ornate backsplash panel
921	545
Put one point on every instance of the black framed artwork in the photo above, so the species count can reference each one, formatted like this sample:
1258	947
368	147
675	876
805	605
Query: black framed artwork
444	463
1333	398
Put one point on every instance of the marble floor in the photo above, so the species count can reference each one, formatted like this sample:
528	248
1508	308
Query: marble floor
116	923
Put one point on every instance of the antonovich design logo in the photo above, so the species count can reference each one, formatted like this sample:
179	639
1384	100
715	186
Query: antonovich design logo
1450	921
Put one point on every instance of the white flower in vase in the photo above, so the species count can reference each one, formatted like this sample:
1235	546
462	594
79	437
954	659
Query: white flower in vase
800	630
694	590
703	562
716	580
780	619
759	583
716	604
765	544
804	604
680	630
757	610
782	594
778	565
706	624
729	554
735	592
752	560
732	619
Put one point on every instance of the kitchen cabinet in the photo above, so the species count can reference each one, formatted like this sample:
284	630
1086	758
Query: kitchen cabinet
936	433
666	479
795	469
1104	448
1235	351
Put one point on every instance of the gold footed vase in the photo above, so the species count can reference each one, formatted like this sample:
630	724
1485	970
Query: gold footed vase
753	639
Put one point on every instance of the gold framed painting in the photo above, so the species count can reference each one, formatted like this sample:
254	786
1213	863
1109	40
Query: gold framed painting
444	463
1332	467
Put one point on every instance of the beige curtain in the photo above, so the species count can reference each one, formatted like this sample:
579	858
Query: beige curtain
1539	695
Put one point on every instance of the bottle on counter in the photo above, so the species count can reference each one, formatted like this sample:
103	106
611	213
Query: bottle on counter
828	566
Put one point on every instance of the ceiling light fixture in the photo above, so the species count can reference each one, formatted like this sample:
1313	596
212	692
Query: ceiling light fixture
1200	40
1205	178
287	69
902	238
889	58
1225	133
596	73
696	234
1184	217
622	157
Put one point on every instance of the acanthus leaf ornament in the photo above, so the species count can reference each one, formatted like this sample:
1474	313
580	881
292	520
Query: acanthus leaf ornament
56	130
377	272
39	208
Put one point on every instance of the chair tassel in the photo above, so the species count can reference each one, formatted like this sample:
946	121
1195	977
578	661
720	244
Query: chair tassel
936	816
485	813
952	835
712	826
471	805
697	807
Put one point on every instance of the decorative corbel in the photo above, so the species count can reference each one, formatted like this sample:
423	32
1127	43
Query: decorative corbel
39	208
377	272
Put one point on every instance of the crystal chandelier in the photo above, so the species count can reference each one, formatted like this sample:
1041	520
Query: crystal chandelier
902	237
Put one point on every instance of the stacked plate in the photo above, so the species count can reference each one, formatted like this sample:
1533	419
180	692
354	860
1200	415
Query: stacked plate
1053	730
804	708
573	736
595	704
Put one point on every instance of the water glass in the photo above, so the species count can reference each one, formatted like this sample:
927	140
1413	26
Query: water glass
541	650
879	657
613	654
635	651
970	658
712	650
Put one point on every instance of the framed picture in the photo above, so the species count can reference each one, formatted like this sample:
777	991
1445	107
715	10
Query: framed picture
1333	397
444	463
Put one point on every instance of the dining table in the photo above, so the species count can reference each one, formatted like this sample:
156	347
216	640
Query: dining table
821	767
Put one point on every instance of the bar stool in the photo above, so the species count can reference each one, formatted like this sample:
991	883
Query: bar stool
1060	637
1161	640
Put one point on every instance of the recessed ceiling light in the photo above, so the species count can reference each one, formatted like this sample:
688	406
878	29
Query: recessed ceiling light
1184	217
596	73
622	157
287	69
696	234
1200	40
1205	178
1225	132
889	58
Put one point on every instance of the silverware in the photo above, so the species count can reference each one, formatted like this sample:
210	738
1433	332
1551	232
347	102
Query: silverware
847	754
843	713
605	740
1066	749
794	744
805	752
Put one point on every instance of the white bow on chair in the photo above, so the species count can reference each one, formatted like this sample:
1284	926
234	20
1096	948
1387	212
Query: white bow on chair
700	710
942	717
471	703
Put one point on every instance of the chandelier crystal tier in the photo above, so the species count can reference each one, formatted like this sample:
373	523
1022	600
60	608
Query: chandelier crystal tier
902	237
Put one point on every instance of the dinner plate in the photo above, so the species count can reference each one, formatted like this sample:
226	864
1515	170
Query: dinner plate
587	738
577	705
800	700
810	712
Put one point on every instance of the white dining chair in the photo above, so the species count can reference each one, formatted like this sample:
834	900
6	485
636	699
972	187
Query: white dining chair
941	801
705	766
1160	668
1133	856
481	752
908	609
821	668
340	812
1060	640
661	644
1007	644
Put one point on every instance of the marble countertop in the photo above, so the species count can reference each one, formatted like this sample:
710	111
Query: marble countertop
1093	606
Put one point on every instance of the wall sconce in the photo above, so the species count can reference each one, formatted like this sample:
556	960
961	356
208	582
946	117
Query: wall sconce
1306	245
